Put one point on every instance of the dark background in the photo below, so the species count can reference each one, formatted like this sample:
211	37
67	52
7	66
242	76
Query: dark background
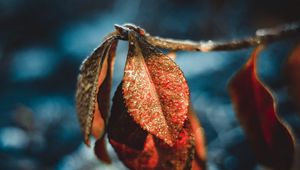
42	44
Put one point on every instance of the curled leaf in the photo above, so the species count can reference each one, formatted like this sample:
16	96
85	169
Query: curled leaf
102	104
140	150
95	77
103	91
271	140
155	90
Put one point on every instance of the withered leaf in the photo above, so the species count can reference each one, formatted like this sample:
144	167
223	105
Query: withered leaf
293	75
271	140
181	154
129	140
155	90
103	91
140	150
199	162
103	103
95	73
121	127
101	151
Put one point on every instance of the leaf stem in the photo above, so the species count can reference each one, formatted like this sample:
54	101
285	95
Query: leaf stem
262	36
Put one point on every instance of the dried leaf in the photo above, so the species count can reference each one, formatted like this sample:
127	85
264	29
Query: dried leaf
155	90
139	150
103	103
146	159
121	127
101	151
293	75
103	91
271	140
199	162
132	144
95	73
181	154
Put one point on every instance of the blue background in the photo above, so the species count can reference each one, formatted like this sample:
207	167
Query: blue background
42	44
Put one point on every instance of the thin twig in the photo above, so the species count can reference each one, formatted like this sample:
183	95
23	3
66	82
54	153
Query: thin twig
261	36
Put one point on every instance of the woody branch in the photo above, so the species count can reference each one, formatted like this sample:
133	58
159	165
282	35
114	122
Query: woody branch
262	36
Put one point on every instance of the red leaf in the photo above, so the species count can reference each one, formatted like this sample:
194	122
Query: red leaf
101	151
293	74
121	127
180	155
271	140
155	90
199	162
138	149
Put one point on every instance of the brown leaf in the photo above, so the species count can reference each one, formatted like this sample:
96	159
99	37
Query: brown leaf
138	149
102	104
155	90
293	75
271	140
95	73
103	91
199	162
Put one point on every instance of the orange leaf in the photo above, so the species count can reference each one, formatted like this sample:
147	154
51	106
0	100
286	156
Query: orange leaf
138	149
155	90
271	140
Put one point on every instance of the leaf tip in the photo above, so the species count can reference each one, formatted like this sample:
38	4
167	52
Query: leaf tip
101	151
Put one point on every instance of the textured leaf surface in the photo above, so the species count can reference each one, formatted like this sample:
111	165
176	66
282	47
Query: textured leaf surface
155	90
293	74
139	149
180	155
95	72
271	140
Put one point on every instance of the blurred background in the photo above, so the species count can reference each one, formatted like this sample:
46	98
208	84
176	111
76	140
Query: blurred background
42	44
